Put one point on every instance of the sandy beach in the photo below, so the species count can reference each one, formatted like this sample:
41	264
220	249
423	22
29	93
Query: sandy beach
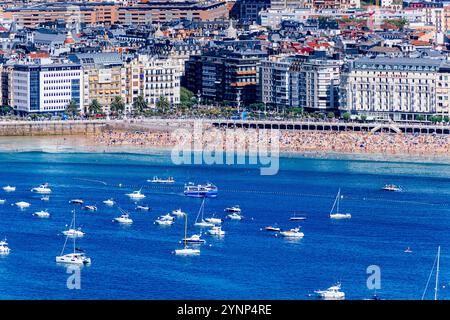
378	146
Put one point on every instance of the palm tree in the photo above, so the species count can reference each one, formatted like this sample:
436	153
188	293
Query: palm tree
117	105
162	104
95	107
72	108
139	105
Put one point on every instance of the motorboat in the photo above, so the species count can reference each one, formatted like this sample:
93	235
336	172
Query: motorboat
408	250
293	233
4	249
332	293
109	202
42	214
216	231
22	204
164	222
167	217
195	238
186	251
235	208
391	187
214	220
136	195
8	188
297	218
45	198
2	201
178	213
155	179
76	201
202	190
272	229
337	214
123	218
143	208
89	208
234	216
43	188
73	231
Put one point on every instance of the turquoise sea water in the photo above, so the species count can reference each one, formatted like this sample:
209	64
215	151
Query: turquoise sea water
135	262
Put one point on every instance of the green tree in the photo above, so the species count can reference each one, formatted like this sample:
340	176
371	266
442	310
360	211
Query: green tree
117	105
363	117
139	105
420	117
186	97
72	108
5	110
95	107
346	116
330	115
163	104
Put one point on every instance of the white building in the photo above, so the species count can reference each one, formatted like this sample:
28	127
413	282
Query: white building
152	78
45	87
396	88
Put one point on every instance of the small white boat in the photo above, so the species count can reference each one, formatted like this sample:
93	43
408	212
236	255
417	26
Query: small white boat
43	188
234	216
408	250
136	195
337	214
42	214
45	198
293	233
235	208
8	188
155	179
297	218
109	202
22	204
272	229
4	249
332	293
216	231
178	213
89	208
214	220
202	222
73	231
164	222
143	208
76	201
195	238
167	217
2	201
391	187
186	251
123	218
78	258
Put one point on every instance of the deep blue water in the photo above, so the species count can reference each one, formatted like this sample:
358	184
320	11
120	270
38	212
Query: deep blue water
135	262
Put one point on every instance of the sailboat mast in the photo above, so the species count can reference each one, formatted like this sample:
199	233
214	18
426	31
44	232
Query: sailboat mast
338	199
185	231
436	288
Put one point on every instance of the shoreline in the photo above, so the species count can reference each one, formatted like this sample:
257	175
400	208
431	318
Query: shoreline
85	144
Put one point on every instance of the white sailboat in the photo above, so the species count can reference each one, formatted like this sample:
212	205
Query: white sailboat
186	251
73	232
42	214
337	214
43	189
202	223
76	257
436	285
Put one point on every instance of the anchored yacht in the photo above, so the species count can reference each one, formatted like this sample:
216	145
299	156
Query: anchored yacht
8	188
186	251
4	249
199	191
216	231
235	208
22	204
73	231
43	188
332	293
234	216
136	195
109	202
178	213
293	233
337	214
42	214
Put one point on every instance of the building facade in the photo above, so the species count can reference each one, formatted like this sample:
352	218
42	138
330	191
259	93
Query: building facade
45	87
397	88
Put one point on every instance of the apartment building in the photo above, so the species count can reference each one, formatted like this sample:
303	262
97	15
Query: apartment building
151	77
294	81
396	88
